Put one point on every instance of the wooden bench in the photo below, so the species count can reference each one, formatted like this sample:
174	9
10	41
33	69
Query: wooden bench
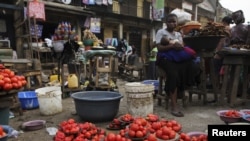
137	65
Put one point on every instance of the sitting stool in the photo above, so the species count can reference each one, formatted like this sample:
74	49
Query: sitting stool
161	96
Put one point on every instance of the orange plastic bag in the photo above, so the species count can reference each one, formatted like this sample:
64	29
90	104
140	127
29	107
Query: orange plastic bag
36	9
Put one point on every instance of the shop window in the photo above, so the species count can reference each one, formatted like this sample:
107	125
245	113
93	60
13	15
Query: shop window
140	8
116	7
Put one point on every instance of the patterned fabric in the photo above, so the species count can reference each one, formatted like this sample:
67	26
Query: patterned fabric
36	9
178	55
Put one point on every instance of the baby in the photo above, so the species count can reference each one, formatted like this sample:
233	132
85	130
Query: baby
165	41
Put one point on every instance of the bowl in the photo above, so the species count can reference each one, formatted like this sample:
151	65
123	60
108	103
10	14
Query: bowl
196	134
228	119
245	111
137	139
33	125
246	118
176	138
239	123
187	28
202	43
97	106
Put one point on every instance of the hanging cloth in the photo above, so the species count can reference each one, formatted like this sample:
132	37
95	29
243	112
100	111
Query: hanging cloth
110	2
105	2
91	2
98	2
36	9
85	2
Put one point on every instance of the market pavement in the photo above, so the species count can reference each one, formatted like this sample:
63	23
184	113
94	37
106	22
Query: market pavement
197	116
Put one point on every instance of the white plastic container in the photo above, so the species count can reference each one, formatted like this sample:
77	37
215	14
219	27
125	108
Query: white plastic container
140	100
50	100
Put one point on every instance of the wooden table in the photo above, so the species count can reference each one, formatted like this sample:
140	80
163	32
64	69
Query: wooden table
235	63
98	66
13	62
202	90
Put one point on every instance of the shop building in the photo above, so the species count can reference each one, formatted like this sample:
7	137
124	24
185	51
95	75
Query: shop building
129	19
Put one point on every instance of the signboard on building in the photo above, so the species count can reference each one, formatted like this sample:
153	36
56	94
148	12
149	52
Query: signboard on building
95	25
158	9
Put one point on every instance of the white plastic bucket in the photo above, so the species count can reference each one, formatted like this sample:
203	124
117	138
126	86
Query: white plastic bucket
50	100
139	98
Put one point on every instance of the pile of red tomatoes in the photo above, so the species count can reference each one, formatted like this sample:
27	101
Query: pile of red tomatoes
9	80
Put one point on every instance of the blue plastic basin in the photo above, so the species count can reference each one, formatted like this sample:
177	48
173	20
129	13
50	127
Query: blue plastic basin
154	82
28	99
97	106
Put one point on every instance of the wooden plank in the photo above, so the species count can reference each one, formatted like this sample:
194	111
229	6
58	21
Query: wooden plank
27	74
224	86
235	85
16	61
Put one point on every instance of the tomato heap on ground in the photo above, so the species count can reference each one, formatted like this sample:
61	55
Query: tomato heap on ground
232	113
140	129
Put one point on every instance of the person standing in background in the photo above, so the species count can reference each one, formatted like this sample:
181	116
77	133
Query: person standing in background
152	59
224	42
180	74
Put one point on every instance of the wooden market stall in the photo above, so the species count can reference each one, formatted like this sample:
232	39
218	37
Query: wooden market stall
236	67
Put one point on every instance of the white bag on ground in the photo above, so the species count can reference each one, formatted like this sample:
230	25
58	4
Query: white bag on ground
183	16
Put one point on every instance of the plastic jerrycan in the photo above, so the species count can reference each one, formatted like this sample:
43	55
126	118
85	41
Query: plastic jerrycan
72	81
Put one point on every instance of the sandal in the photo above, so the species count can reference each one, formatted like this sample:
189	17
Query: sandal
177	114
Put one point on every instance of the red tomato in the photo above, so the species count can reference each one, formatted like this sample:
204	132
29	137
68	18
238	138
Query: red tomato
172	134
177	127
11	74
24	82
159	133
165	130
20	84
22	77
1	83
131	133
87	135
156	125
15	85
71	120
139	134
7	86
6	80
165	137
111	137
151	137
8	71
13	80
118	138
1	76
134	127
169	124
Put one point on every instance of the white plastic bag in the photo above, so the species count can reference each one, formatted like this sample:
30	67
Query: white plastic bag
183	16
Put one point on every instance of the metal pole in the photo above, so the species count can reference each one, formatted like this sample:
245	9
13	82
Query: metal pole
195	12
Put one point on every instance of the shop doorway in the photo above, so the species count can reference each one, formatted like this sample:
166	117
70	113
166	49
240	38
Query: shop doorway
135	39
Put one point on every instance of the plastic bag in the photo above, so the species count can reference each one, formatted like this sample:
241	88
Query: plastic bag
183	16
